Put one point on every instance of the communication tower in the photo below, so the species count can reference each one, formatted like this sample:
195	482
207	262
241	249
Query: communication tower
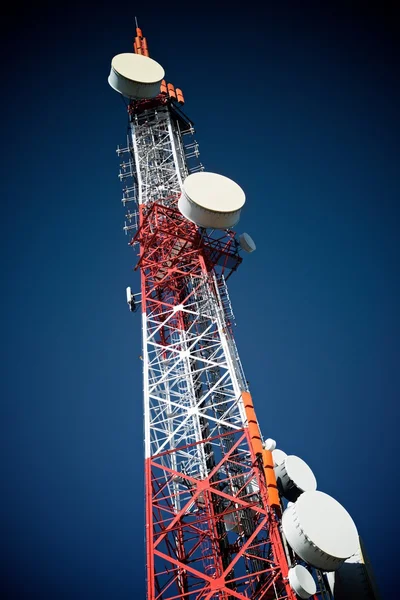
228	516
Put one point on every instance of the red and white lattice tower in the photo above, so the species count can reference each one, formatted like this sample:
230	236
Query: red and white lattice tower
213	509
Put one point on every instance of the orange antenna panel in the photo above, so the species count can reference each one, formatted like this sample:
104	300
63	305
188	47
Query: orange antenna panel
144	47
171	91
179	96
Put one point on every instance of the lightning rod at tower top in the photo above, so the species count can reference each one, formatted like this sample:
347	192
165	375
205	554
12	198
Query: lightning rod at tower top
227	514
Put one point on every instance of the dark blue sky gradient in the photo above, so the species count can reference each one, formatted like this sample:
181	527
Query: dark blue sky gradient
300	107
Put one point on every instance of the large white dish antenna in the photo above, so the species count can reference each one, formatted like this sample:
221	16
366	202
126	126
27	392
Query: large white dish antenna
354	579
211	200
294	476
320	530
278	456
302	582
135	76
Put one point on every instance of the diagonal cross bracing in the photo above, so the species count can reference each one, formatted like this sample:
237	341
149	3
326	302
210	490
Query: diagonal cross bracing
209	532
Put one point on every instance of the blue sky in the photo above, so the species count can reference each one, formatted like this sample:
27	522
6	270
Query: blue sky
301	109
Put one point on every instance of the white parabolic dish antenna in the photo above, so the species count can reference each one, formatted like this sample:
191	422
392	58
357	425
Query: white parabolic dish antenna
247	243
295	476
320	530
135	76
278	456
302	582
211	200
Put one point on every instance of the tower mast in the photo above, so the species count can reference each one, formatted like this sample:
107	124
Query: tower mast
212	501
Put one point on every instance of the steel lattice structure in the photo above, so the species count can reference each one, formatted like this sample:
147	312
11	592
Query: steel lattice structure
210	530
213	513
